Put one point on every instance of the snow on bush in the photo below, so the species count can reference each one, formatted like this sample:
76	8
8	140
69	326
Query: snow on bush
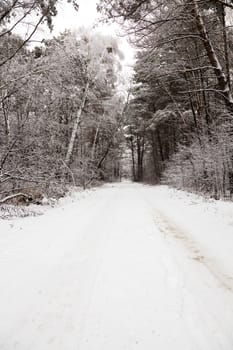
12	211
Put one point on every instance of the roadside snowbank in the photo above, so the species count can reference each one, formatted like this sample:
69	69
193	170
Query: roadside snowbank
12	212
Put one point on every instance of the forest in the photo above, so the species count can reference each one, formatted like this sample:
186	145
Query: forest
63	121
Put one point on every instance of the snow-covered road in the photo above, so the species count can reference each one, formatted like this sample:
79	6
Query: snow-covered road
125	267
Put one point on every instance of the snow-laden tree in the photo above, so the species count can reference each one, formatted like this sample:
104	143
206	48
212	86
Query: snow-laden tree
183	77
60	119
16	14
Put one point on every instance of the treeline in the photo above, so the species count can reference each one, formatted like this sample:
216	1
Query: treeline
180	117
60	118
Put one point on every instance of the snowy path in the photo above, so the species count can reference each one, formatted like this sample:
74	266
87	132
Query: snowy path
117	270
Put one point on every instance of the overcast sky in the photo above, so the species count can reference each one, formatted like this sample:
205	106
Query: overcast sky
69	18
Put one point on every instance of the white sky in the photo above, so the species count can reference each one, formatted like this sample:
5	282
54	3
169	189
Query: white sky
69	18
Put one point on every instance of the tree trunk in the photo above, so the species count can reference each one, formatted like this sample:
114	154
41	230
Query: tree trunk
75	127
6	120
156	161
160	146
213	58
133	158
94	143
140	154
226	45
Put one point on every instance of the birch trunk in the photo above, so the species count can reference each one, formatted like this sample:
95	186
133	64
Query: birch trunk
75	127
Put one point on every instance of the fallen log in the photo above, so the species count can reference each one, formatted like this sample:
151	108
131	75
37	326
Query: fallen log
17	199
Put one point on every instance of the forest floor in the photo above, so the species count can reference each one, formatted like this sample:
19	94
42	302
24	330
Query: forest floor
124	267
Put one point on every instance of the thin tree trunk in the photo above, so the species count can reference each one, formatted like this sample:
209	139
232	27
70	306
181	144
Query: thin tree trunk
94	143
99	165
156	162
213	58
133	158
226	45
75	127
207	115
160	146
6	120
140	153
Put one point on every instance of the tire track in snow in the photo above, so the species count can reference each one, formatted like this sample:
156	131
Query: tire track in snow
171	229
199	292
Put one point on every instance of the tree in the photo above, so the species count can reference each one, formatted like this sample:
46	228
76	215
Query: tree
183	74
13	13
42	96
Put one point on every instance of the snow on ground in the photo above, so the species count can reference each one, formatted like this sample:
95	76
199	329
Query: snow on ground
122	267
205	225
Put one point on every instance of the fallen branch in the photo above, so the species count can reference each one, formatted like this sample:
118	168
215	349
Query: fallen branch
4	200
